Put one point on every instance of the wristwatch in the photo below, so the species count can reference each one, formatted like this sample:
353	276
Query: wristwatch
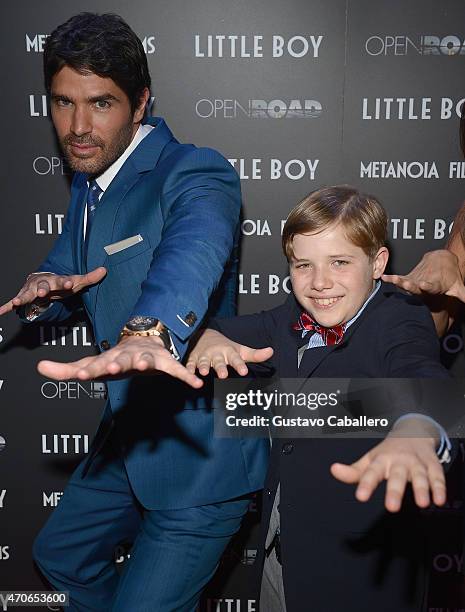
150	326
34	310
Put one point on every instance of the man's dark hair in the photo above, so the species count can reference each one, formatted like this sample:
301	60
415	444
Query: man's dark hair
102	44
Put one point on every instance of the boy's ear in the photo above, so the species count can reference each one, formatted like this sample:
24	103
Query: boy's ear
380	262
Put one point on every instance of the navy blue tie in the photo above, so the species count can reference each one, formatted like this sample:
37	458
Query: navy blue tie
93	195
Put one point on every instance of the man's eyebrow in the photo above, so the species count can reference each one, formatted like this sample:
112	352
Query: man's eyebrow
103	97
92	99
347	256
59	96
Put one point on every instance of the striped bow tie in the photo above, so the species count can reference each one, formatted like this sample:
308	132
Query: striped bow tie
330	335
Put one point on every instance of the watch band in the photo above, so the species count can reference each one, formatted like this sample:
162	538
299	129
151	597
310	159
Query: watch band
31	311
158	330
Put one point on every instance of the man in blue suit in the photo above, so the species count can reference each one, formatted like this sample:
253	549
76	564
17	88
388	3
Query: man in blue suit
146	248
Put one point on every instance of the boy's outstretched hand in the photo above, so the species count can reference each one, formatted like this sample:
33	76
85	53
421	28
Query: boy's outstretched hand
213	350
398	460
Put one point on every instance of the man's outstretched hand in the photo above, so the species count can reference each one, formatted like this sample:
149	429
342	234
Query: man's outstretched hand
438	273
398	460
129	356
48	286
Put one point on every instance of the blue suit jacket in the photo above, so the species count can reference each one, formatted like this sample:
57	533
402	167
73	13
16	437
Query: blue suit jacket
184	202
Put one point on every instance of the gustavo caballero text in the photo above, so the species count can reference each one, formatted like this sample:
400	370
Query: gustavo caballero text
328	421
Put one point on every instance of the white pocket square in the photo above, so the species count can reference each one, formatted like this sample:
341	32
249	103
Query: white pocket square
116	247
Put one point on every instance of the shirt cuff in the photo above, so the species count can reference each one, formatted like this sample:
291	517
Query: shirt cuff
445	445
173	350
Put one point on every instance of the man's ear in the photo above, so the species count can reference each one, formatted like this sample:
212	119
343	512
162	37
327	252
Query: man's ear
140	110
380	262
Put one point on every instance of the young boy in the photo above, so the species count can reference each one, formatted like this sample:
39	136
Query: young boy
325	553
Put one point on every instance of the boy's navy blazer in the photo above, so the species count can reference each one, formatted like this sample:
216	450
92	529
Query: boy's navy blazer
394	338
340	554
184	201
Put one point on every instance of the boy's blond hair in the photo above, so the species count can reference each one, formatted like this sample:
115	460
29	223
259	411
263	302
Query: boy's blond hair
363	218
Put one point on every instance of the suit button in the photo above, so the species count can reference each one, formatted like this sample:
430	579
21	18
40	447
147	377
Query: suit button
268	492
105	345
287	449
190	318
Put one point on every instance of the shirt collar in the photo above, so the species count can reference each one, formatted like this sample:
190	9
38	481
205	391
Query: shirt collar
104	180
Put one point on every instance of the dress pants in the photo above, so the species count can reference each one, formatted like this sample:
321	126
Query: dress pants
272	598
175	552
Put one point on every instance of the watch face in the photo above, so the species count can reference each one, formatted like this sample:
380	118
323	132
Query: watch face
141	323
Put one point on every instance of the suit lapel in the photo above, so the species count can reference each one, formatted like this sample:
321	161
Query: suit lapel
78	222
289	341
312	358
144	158
102	226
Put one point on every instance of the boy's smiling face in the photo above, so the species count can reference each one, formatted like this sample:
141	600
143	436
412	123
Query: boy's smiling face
332	277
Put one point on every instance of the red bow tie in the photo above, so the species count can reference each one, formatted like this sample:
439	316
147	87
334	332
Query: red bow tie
330	335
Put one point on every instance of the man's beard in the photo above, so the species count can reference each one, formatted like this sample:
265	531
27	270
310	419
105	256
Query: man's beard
109	151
